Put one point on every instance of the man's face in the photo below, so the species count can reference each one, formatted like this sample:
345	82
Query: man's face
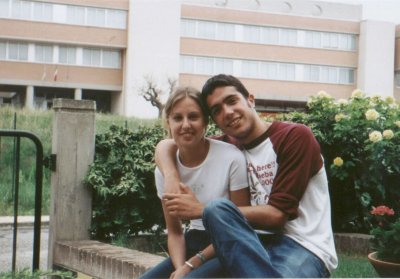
233	114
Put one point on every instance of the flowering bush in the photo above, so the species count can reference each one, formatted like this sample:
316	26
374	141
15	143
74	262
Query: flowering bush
386	234
360	143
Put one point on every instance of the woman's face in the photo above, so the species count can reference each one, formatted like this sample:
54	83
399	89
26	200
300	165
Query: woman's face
186	123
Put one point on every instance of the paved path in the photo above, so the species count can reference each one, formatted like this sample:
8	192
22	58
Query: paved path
24	243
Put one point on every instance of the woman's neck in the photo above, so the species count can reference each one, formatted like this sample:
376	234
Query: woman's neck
194	155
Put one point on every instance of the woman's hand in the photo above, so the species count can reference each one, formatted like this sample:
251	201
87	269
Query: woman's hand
180	272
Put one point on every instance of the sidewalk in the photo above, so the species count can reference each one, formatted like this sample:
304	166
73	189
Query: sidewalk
8	221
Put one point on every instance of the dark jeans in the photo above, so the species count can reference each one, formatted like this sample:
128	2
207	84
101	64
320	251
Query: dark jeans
196	241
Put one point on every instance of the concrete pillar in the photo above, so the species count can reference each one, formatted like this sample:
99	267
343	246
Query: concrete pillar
29	100
73	144
376	57
78	94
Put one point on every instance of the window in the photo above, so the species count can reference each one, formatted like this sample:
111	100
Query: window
225	31
18	51
224	66
250	69
42	11
21	9
4	7
270	35
287	37
96	16
187	64
206	29
111	58
398	79
91	57
44	53
251	34
188	28
204	65
116	19
3	50
75	15
67	55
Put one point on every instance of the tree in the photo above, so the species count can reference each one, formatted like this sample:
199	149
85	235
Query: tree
152	93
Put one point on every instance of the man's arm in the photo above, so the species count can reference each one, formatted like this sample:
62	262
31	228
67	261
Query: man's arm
165	161
264	217
185	206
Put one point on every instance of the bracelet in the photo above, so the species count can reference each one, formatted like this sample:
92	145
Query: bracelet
201	256
189	265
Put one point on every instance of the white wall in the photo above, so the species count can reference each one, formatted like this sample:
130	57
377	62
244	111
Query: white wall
153	50
376	58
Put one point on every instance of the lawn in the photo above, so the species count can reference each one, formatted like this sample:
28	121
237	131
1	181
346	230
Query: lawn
354	266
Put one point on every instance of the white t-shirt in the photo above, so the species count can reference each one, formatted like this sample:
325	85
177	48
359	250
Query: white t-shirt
223	170
286	170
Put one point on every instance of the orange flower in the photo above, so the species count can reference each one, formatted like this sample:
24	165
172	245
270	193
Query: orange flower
382	210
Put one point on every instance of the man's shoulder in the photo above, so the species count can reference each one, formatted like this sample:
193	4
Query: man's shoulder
227	139
223	145
289	128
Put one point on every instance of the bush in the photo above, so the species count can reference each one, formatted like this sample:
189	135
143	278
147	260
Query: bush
360	143
125	201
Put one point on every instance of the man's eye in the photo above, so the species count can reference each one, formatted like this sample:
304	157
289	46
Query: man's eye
215	111
231	101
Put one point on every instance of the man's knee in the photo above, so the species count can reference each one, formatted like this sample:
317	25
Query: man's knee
216	209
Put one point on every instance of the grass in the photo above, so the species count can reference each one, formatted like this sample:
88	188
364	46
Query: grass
354	266
40	123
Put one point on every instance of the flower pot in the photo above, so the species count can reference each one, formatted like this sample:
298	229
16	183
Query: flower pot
384	269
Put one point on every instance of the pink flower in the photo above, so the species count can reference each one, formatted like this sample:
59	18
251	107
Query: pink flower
382	210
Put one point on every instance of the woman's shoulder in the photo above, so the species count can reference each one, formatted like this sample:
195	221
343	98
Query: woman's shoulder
223	148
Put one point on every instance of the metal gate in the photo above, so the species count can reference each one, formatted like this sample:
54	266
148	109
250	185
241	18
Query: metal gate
17	135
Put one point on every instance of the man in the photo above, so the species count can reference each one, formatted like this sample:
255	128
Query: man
287	230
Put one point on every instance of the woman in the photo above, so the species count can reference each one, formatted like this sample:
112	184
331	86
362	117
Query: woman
211	169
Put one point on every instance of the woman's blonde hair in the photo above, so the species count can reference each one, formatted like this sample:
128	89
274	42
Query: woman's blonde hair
179	94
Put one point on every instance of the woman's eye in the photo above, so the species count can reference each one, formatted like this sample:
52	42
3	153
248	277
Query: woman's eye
177	118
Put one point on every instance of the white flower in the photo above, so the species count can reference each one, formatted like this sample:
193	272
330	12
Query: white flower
323	94
371	114
388	134
397	123
338	161
357	94
389	100
375	136
342	102
339	117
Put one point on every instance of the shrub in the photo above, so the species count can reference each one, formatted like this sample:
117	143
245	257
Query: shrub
122	177
360	143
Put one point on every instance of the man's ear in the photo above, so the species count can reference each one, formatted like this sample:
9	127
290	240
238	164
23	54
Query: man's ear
251	101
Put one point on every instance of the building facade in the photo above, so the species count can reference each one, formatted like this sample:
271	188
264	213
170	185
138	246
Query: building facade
283	51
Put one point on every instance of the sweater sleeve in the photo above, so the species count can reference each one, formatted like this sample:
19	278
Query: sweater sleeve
299	159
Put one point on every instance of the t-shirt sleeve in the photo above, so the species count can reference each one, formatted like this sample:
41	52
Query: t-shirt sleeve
299	159
159	179
237	172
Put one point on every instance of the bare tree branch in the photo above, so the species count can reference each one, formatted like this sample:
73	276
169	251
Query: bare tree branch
152	93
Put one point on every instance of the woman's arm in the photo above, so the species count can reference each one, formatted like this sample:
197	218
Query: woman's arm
240	198
165	160
176	239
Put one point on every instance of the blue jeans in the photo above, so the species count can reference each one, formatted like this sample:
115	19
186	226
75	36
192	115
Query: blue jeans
244	254
196	241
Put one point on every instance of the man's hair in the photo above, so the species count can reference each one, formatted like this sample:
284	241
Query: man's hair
222	80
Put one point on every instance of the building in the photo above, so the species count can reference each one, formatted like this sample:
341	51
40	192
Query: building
284	51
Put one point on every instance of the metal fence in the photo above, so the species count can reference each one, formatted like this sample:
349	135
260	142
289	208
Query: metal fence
17	135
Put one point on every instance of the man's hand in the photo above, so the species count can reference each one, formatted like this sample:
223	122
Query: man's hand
183	205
